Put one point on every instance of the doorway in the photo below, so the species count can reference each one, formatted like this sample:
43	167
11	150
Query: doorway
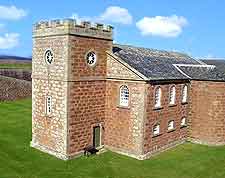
97	136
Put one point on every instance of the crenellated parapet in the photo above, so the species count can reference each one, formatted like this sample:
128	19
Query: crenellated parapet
72	27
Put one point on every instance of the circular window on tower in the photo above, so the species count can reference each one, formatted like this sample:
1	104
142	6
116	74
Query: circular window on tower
49	56
91	58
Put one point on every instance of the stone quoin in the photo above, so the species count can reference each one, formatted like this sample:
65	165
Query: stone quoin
87	91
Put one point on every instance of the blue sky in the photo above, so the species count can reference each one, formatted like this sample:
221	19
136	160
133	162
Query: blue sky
193	27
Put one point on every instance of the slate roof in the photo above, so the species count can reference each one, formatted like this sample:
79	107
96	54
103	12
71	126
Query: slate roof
219	63
161	65
203	73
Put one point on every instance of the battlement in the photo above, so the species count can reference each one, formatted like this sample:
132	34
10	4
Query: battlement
72	27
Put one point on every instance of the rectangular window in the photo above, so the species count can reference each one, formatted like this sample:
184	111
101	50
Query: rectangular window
48	105
156	129
183	121
171	125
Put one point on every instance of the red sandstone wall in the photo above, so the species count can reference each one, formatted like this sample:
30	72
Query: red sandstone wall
163	116
86	110
207	116
79	46
86	98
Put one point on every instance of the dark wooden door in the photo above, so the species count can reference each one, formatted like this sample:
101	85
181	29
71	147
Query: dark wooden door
96	136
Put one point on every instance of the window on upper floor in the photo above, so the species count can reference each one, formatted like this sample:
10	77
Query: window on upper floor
172	95
158	93
124	96
184	94
156	129
48	105
171	125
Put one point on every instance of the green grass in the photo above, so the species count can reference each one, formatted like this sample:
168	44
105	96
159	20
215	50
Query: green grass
18	160
16	66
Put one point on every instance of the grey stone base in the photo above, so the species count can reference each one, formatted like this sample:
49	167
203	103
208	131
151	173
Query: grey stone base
202	142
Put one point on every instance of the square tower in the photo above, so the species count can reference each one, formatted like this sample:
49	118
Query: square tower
68	86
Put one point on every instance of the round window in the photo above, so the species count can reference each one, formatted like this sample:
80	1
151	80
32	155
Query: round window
91	58
49	57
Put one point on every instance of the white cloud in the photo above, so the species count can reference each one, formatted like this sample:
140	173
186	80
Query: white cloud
11	13
116	14
163	26
113	14
9	40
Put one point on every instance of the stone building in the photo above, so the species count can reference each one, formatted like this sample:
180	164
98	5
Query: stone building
87	91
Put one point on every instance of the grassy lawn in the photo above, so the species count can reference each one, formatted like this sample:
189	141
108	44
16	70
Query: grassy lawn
18	160
16	66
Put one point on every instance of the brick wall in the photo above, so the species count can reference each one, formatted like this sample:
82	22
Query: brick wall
86	110
79	47
17	73
162	116
207	114
12	89
86	91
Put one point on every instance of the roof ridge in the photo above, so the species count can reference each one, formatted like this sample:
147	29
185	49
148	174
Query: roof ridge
153	49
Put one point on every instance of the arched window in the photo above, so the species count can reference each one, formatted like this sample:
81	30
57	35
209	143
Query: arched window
172	95
124	96
158	93
156	129
184	94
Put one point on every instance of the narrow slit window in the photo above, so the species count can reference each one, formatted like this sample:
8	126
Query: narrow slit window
124	96
48	105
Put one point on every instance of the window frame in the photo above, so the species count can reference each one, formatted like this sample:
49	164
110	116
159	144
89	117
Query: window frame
157	99
121	99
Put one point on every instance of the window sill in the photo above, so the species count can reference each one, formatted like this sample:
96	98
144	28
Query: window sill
183	126
157	135
158	108
184	103
123	107
172	105
171	130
